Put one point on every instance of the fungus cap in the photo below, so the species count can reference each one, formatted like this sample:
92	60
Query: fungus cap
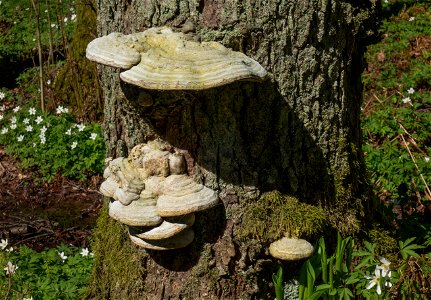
124	196
167	60
291	249
180	195
115	49
180	240
108	187
135	214
169	228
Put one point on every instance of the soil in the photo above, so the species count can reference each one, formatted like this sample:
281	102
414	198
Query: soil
42	215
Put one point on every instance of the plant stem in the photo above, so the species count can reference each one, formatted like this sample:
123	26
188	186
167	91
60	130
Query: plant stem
39	50
51	50
427	190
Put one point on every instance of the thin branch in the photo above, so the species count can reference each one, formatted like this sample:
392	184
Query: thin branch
427	190
39	50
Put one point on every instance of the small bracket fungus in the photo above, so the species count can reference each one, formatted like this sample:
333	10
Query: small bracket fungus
154	196
291	249
162	59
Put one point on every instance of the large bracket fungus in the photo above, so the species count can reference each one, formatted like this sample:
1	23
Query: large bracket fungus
152	192
154	196
162	59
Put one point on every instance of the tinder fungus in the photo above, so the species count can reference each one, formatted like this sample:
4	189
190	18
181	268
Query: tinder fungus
291	249
154	196
162	59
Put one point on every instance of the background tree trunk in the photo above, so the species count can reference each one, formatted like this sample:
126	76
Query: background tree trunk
298	133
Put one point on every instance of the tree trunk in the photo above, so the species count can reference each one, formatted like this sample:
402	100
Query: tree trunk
297	133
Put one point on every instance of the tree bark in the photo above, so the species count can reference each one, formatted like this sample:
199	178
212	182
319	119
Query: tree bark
297	133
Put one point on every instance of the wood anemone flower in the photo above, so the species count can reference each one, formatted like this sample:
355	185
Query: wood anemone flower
162	59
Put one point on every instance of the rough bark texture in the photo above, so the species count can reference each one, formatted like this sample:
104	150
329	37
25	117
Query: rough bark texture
297	133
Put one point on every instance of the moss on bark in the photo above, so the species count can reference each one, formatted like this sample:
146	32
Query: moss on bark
77	84
275	215
117	272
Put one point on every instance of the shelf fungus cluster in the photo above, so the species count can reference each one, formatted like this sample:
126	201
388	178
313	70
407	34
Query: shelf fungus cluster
153	195
162	59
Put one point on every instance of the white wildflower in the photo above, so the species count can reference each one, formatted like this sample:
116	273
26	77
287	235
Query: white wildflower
62	256
13	126
385	267
39	120
10	268
69	131
4	130
427	159
53	25
74	144
411	19
26	121
32	111
375	281
16	109
20	138
93	136
2	95
48	82
81	127
59	110
84	252
73	17
407	100
3	244
411	90
29	128
13	120
1	117
65	19
43	130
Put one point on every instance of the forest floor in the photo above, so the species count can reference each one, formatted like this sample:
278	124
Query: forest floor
47	214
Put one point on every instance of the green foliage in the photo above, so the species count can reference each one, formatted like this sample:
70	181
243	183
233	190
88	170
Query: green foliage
277	279
53	143
396	121
45	275
18	26
332	273
275	215
408	249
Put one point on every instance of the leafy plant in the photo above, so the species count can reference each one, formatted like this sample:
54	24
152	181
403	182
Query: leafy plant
56	273
277	279
332	273
53	143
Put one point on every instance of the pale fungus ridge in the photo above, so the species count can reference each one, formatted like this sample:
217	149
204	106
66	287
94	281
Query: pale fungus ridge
169	228
154	196
291	249
162	59
181	240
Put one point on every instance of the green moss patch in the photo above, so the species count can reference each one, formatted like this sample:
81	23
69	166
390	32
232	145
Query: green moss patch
117	263
275	215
